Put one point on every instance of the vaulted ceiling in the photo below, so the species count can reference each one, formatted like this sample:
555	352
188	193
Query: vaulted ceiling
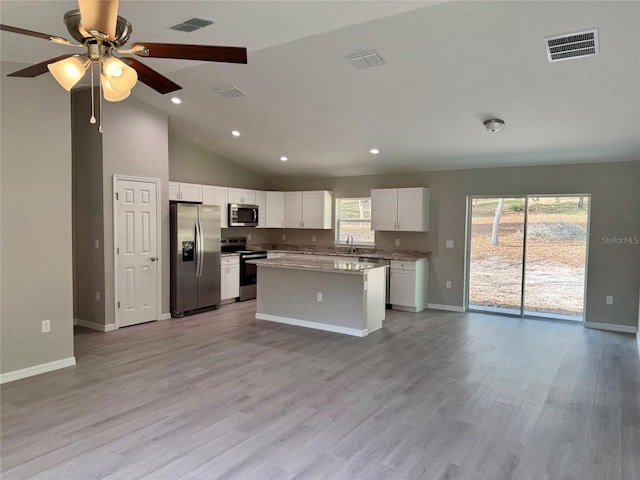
448	67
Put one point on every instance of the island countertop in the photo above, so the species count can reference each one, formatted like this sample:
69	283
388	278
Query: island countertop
344	266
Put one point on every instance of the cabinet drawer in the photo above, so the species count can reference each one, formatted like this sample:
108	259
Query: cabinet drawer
230	260
402	265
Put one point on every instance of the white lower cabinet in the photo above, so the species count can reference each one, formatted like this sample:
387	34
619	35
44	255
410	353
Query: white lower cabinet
229	277
409	282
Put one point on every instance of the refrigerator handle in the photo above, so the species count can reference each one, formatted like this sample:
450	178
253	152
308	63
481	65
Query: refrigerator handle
198	249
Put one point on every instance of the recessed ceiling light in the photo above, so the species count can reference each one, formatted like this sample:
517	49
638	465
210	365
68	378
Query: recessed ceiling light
235	133
176	100
283	158
374	151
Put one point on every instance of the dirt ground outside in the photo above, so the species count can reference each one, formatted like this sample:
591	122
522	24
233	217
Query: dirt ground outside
556	255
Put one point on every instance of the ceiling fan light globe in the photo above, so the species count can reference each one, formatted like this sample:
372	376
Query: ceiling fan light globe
120	75
110	94
69	71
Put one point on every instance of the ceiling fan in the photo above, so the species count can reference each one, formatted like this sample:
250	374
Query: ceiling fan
99	30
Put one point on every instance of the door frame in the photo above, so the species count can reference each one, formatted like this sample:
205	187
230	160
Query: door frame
129	178
467	252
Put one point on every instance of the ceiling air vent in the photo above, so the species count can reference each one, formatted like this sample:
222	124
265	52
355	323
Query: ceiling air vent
572	45
230	92
191	24
366	60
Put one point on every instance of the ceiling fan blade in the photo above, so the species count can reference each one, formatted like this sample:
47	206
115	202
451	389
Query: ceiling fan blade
100	16
31	33
207	53
38	68
150	77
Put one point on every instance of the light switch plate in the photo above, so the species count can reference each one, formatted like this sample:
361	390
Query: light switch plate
609	300
397	242
313	238
449	243
448	283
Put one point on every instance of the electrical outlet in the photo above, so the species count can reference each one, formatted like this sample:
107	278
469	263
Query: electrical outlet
248	237
449	243
97	296
284	237
319	296
397	242
46	326
313	238
609	300
448	283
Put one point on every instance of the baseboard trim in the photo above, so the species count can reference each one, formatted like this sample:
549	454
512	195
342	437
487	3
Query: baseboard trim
37	370
109	327
611	327
307	324
447	308
165	316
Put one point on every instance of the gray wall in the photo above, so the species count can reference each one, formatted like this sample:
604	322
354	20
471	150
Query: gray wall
88	226
190	163
615	189
135	142
35	207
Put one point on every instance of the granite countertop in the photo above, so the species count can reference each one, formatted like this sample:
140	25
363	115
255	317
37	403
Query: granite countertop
343	266
406	255
229	254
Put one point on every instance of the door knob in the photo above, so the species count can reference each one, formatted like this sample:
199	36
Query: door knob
153	259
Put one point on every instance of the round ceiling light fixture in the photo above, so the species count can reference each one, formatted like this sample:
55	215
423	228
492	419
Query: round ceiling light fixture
176	100
374	151
235	133
494	125
283	158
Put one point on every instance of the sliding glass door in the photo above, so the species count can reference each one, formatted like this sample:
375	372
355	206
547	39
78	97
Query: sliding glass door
496	254
527	255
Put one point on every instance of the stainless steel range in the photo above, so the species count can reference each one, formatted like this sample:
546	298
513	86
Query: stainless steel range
248	272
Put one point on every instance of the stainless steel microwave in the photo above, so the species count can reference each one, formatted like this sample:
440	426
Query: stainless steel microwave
243	215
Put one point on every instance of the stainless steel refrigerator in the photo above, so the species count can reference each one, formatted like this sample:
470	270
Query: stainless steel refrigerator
195	258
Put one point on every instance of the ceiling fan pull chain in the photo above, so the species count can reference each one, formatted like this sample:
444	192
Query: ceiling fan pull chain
92	120
100	127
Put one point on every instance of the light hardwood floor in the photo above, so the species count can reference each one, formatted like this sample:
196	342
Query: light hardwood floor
433	395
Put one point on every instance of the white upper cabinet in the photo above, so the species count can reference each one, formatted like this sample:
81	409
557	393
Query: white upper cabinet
242	196
261	202
274	214
216	196
316	209
400	209
185	192
293	209
308	209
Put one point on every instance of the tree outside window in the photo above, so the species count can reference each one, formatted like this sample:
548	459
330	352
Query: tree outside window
353	218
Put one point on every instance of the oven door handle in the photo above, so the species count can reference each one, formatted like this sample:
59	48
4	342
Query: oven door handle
251	257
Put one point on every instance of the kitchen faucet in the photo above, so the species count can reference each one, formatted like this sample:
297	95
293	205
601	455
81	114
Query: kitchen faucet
352	247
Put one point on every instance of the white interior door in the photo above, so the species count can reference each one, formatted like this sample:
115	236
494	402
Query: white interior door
138	264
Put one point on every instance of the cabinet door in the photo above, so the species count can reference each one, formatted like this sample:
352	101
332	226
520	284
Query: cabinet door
221	199
261	202
190	192
224	275
242	196
235	195
293	209
403	288
411	214
233	279
316	210
208	195
249	197
384	209
174	191
275	210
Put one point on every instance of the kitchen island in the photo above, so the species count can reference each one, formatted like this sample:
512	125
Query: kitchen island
339	296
